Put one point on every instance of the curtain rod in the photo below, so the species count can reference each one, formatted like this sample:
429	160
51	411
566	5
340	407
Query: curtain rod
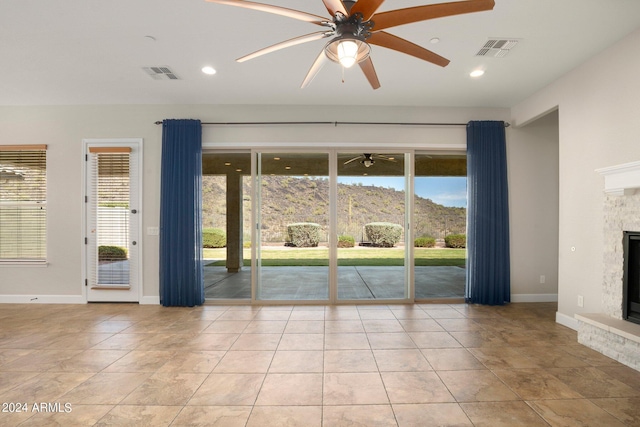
506	124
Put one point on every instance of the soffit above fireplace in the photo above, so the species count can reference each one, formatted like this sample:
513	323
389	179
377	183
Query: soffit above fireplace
621	180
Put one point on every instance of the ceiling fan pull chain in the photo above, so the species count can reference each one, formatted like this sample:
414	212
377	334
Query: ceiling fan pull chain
342	73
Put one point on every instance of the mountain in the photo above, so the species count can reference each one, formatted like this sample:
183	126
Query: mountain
288	199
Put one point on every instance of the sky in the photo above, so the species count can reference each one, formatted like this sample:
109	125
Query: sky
446	191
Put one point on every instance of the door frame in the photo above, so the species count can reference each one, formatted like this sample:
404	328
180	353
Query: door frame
111	142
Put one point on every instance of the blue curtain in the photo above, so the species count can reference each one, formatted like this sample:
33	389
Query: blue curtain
488	264
181	273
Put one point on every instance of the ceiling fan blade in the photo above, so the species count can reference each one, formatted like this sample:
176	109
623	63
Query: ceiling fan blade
370	72
315	68
290	13
287	43
397	17
334	6
366	7
390	41
385	158
352	160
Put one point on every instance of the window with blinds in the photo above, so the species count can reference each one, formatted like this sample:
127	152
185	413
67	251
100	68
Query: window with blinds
23	203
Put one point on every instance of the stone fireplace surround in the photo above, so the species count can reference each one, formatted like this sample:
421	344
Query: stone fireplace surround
607	332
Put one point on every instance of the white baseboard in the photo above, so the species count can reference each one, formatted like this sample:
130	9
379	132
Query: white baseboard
534	297
568	321
151	300
42	299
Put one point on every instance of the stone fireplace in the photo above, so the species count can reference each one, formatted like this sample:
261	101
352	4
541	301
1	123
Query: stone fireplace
608	332
631	277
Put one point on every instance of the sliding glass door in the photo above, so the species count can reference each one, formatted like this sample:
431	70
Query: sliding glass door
292	232
371	226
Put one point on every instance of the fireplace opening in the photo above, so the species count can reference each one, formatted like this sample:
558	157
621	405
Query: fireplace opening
631	277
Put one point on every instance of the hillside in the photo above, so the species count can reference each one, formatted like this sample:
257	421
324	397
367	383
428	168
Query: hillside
287	199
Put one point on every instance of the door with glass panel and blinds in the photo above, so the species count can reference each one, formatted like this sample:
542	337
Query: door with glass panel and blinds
112	212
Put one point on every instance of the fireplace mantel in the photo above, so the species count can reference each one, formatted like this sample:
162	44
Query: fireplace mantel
621	180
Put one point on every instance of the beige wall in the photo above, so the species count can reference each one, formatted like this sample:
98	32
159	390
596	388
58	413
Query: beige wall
64	127
599	110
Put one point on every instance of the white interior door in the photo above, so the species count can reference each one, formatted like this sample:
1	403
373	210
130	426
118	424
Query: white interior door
112	220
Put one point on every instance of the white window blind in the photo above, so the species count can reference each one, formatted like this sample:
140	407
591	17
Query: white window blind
110	215
23	203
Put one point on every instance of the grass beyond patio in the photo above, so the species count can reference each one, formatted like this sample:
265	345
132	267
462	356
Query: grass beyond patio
358	256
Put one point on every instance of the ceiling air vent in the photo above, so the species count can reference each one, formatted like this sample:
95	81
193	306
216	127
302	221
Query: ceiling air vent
497	48
161	73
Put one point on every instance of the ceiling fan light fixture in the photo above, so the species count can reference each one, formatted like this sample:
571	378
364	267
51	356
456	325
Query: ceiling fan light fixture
347	51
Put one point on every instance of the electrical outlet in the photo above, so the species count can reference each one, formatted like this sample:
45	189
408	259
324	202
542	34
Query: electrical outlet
153	231
542	279
580	301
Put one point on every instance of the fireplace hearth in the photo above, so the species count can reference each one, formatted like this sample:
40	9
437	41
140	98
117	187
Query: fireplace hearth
631	277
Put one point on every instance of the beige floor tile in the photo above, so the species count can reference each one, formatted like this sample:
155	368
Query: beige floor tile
502	414
478	339
390	340
550	357
301	342
39	361
277	313
451	359
358	416
265	327
434	340
256	342
588	355
211	342
503	358
128	415
167	341
290	416
431	414
349	361
476	386
444	313
307	315
624	374
535	384
401	360
78	415
212	416
106	388
409	312
367	314
343	326
354	389
89	361
574	412
346	341
45	387
415	387
78	341
592	382
228	390
626	410
9	380
141	361
227	326
459	325
9	354
341	313
374	325
291	389
297	361
421	325
304	326
168	389
193	362
122	341
251	361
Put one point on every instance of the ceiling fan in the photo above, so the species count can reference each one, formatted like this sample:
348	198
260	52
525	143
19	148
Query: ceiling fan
368	159
355	26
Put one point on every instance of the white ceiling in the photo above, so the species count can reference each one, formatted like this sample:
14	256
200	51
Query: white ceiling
92	52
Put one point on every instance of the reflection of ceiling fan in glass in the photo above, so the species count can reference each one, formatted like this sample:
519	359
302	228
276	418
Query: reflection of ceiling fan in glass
355	25
368	159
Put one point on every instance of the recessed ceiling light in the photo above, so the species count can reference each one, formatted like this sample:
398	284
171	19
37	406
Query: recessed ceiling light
227	163
434	40
287	167
276	158
238	170
476	73
209	70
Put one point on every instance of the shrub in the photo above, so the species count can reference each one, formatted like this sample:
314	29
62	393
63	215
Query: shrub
111	253
213	238
456	241
304	234
346	241
384	234
425	242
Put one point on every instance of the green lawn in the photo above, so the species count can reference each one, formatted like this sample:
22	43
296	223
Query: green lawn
347	257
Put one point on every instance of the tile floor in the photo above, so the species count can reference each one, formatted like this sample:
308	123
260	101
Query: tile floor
367	365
